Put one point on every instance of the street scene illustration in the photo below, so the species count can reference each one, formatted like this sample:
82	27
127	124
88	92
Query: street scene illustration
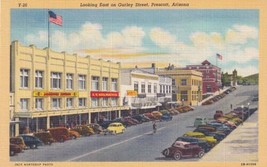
134	85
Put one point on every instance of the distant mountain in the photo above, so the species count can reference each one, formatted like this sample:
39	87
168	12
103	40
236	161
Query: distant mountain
252	79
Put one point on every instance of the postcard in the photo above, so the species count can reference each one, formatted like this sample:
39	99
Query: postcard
133	83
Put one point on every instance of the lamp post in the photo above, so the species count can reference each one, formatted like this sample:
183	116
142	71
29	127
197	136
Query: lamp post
248	110
242	114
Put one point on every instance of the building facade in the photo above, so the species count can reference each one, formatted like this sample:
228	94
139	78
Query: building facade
58	89
211	76
139	90
186	84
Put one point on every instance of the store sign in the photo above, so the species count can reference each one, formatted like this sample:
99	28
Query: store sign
131	93
48	94
99	94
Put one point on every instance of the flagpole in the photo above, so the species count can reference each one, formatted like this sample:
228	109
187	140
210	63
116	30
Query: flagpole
48	35
216	57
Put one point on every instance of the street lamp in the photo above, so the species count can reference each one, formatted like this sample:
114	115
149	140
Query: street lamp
242	114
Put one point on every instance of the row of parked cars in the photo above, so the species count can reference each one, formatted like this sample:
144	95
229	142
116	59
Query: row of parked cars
207	134
218	97
61	134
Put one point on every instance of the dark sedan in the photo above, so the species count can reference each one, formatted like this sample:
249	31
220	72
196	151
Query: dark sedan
203	144
31	141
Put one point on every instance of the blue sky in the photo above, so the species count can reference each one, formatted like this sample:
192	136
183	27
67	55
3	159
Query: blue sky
180	37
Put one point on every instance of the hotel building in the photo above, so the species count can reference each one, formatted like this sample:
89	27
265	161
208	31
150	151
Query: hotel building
51	89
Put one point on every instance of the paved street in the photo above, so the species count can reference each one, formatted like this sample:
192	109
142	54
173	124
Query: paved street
137	143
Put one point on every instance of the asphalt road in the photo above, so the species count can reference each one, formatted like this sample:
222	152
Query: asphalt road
137	143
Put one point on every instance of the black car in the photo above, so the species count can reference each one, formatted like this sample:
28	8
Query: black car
105	124
218	136
140	118
203	144
31	141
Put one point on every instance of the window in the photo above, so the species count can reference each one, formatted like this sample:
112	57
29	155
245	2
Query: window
56	103
114	84
24	104
69	103
95	83
56	80
184	96
163	89
113	101
82	102
38	79
155	88
160	89
95	102
149	88
69	81
39	104
105	84
82	82
167	89
194	95
183	82
143	87
105	102
136	86
24	78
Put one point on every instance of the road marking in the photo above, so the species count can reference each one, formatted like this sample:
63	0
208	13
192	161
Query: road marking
112	145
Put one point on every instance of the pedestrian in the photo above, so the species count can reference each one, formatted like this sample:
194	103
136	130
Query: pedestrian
154	127
231	106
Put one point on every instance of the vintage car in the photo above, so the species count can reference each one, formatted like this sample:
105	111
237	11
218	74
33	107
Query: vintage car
218	114
200	121
84	130
203	144
166	117
96	127
220	127
157	114
73	134
31	141
150	116
14	149
18	141
217	135
181	149
105	124
115	128
141	118
45	137
201	136
60	134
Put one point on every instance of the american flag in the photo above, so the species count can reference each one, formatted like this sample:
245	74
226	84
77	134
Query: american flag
219	56
56	19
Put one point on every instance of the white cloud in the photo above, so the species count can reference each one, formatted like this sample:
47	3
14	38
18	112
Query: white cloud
162	38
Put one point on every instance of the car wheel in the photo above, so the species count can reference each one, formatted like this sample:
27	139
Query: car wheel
33	146
200	154
177	156
12	153
166	152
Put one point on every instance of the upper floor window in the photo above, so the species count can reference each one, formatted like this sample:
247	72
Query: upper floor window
69	103
39	102
82	82
24	78
95	83
143	87
55	80
183	82
69	81
56	103
136	86
105	84
82	102
149	88
114	84
155	88
24	104
39	79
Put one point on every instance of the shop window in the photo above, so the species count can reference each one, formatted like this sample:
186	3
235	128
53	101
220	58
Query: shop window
184	96
39	79
24	78
69	81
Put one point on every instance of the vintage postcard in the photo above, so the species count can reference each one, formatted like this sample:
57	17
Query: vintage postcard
133	83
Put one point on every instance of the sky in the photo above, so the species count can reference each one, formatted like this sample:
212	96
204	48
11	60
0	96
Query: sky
141	37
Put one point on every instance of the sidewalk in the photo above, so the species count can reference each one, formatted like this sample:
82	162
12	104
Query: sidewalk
240	146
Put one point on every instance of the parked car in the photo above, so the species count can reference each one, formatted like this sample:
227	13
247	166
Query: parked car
218	114
73	134
45	137
123	121
200	121
105	124
31	141
84	130
14	149
203	144
166	117
221	127
157	114
201	136
18	141
150	116
96	127
60	134
115	128
141	118
181	149
217	135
